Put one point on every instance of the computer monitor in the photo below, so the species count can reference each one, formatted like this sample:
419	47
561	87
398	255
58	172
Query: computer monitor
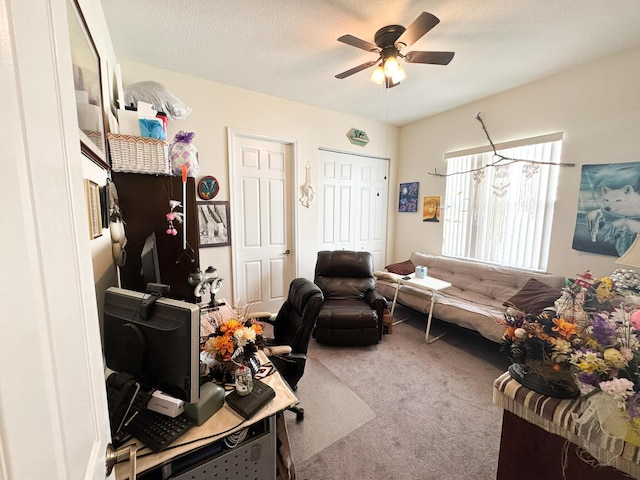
150	270
161	350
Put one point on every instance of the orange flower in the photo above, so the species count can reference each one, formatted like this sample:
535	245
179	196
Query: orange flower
222	345
564	328
230	327
510	332
257	327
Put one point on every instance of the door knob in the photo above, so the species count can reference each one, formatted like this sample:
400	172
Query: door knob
114	456
287	252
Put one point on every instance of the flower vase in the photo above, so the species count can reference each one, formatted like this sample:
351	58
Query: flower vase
543	379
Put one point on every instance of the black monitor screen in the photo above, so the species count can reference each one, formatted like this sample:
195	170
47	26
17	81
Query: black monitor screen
161	352
149	258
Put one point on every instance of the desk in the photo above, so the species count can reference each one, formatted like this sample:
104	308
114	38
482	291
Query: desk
429	284
539	439
224	422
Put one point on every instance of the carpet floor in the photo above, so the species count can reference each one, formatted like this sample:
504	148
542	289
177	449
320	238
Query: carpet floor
401	409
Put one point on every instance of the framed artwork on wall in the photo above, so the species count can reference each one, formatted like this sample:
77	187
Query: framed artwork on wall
213	221
608	216
408	201
92	192
431	209
208	187
88	87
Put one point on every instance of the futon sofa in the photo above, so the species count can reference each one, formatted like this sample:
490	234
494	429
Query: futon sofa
479	292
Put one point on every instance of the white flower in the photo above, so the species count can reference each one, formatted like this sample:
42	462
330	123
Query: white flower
618	388
239	335
561	350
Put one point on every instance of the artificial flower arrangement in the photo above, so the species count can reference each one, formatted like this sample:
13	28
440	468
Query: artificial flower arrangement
591	338
606	360
234	341
540	348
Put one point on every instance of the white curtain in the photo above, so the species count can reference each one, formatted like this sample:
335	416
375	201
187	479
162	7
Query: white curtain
498	210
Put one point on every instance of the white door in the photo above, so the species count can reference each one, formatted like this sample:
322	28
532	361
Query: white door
262	217
53	420
353	194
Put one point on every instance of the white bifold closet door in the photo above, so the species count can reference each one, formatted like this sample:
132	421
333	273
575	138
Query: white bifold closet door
353	194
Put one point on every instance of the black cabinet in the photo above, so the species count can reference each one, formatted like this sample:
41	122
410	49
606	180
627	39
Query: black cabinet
144	202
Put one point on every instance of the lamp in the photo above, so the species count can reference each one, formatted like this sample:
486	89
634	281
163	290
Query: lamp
388	71
378	75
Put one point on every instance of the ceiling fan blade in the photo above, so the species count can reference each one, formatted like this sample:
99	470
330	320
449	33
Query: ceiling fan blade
417	29
436	58
356	42
356	69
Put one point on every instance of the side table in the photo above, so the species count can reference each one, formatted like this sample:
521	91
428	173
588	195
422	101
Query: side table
429	284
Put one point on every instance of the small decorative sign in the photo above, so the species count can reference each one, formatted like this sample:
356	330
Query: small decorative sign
358	137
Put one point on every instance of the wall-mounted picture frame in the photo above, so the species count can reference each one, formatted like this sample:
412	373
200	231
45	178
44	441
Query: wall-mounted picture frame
92	192
213	221
208	187
431	209
408	198
87	80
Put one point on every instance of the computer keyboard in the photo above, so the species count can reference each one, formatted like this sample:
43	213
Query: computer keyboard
156	430
153	429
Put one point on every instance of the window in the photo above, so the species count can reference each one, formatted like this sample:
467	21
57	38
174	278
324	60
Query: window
498	210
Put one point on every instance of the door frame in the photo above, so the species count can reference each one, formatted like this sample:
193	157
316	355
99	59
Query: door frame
233	135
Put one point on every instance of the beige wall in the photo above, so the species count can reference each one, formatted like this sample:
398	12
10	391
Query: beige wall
217	107
597	106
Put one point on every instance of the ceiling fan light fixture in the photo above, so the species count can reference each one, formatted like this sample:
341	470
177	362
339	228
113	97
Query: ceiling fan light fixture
399	75
378	75
391	65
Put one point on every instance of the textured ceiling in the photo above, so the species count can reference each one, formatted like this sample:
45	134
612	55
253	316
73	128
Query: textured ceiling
288	48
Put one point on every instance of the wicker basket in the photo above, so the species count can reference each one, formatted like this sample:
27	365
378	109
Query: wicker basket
138	154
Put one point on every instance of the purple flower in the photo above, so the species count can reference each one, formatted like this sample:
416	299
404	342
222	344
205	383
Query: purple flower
633	405
602	330
589	379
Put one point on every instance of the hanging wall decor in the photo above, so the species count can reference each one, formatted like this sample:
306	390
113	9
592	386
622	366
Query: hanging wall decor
92	193
608	217
431	209
408	201
358	137
308	193
88	87
208	187
213	218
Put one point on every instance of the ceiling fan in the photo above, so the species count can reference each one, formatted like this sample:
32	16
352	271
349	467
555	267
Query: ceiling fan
389	41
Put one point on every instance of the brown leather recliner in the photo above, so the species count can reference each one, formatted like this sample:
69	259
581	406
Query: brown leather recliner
352	311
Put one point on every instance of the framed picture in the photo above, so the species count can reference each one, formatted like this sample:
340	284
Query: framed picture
408	201
88	88
431	209
208	187
213	220
92	192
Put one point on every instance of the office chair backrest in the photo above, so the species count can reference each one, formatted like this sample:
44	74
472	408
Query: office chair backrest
297	316
344	274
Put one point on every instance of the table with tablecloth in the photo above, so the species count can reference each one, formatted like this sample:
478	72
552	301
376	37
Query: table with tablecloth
528	420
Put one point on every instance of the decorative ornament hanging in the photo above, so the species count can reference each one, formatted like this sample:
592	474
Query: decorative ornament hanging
308	193
173	215
501	181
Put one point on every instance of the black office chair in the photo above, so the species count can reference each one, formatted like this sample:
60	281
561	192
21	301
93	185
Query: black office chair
292	326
